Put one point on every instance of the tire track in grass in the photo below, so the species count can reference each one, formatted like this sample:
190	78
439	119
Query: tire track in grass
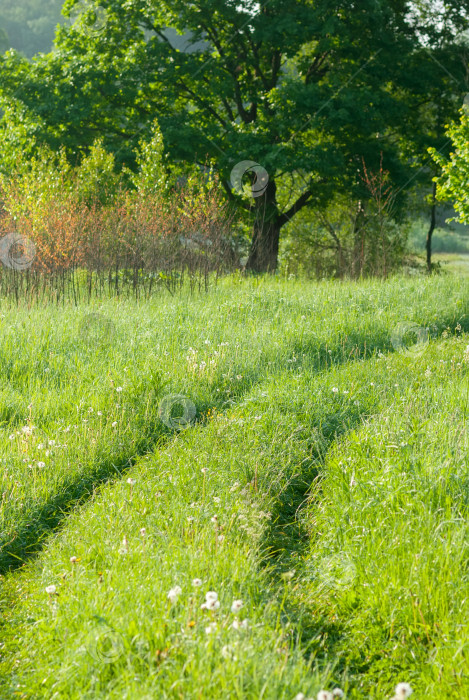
309	351
264	471
49	515
274	441
406	600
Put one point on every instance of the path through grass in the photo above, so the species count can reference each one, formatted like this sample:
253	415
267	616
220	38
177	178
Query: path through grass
271	445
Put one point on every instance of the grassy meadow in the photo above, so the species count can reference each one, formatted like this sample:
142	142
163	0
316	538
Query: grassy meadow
296	523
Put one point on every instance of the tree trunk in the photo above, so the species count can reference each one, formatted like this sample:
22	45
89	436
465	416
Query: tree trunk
428	244
358	241
263	255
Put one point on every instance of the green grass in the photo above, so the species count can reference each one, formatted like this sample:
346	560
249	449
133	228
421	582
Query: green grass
335	468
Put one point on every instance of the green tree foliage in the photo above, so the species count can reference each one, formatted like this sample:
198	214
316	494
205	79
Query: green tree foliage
453	184
306	88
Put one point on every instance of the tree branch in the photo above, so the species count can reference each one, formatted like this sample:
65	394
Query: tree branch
302	201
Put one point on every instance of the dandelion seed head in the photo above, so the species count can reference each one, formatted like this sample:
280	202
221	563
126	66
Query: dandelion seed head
174	594
403	690
240	624
51	590
196	582
236	606
325	695
211	603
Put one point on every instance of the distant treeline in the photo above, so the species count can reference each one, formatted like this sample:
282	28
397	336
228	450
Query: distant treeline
29	25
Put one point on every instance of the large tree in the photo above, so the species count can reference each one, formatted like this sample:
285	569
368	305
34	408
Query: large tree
308	89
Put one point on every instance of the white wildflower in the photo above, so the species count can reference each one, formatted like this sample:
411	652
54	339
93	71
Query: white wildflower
236	606
174	594
211	601
196	582
51	590
403	690
240	624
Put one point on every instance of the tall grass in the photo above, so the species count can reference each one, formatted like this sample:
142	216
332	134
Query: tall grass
283	493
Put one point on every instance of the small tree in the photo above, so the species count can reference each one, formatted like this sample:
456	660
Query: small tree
453	183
